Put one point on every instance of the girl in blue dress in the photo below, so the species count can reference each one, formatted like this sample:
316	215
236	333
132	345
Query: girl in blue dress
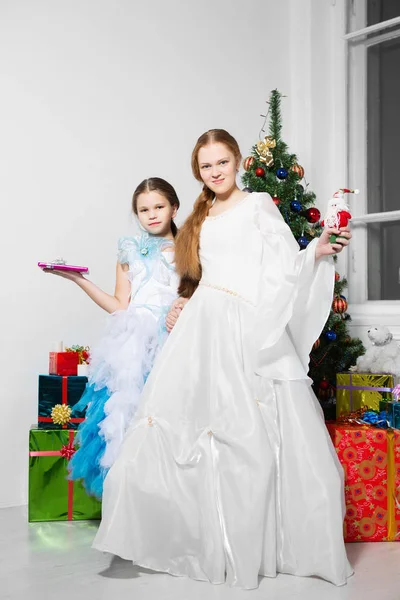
146	286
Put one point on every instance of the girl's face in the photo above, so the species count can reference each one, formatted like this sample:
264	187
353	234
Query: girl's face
155	213
218	167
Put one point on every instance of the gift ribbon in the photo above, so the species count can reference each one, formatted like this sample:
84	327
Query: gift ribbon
64	400
67	452
366	388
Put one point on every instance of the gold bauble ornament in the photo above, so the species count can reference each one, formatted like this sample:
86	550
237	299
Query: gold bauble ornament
298	169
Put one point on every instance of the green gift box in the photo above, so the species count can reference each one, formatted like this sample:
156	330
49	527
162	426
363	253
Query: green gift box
52	497
362	390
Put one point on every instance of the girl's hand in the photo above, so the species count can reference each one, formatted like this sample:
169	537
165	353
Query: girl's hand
179	303
325	248
174	313
172	318
71	275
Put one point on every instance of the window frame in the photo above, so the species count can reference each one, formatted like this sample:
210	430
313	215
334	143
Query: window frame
357	44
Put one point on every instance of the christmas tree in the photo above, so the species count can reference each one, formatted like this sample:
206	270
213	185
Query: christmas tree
271	168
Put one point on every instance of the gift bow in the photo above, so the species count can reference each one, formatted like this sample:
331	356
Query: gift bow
82	351
264	150
363	416
61	414
68	451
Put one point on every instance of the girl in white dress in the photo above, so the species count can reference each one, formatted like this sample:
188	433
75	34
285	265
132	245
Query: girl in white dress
146	285
227	471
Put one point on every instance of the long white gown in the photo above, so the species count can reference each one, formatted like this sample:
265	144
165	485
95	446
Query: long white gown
227	471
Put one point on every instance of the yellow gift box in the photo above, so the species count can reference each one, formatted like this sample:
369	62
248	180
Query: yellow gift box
361	390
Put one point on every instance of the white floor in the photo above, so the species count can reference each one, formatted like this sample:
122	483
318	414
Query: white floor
41	561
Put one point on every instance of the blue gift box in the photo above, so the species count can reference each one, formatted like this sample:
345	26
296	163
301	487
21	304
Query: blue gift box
64	390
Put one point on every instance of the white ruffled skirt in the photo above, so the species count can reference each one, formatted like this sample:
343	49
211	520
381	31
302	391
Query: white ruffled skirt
119	367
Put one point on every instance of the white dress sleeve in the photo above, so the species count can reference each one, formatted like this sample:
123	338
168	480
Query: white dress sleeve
295	296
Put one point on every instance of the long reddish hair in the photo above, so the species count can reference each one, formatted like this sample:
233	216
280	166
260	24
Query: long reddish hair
156	184
187	243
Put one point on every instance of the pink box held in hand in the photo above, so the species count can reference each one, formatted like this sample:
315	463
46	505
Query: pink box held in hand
60	265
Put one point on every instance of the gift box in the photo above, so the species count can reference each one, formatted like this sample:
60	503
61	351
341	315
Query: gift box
52	497
63	363
394	414
371	461
361	390
392	410
57	397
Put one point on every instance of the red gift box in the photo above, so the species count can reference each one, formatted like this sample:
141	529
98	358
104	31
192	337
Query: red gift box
371	461
63	363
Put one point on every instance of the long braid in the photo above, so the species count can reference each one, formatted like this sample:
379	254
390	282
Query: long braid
187	244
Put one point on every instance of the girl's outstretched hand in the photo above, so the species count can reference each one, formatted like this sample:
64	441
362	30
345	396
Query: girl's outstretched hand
174	312
324	246
71	275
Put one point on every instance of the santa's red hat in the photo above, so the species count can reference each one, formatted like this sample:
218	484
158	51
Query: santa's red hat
340	193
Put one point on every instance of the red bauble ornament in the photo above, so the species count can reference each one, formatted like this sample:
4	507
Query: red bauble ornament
337	276
339	305
325	394
260	172
276	200
248	163
312	215
298	169
324	384
325	390
316	344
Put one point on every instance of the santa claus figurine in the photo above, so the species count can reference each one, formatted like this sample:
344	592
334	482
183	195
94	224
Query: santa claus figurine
338	215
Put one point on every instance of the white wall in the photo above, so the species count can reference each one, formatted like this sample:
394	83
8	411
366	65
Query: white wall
98	95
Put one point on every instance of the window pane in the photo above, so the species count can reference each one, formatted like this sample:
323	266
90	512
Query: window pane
383	131
382	10
384	261
363	13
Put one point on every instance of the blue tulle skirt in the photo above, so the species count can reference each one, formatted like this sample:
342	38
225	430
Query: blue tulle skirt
86	462
118	371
